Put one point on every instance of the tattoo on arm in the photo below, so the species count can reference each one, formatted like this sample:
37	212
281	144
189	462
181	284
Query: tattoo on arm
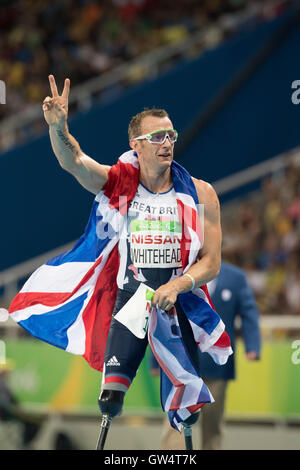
64	138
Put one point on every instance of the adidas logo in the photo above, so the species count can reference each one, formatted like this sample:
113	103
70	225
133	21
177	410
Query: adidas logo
113	362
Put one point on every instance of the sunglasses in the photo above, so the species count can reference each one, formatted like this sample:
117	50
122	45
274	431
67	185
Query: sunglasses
159	137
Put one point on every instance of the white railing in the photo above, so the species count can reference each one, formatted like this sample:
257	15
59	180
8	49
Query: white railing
281	322
9	277
256	172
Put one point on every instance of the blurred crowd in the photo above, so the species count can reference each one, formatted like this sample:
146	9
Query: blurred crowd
83	39
263	237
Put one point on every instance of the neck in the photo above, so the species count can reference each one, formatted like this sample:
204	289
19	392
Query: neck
156	182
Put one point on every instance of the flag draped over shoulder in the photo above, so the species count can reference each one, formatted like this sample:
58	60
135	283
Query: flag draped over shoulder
68	301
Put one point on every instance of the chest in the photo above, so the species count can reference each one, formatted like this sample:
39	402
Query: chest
154	225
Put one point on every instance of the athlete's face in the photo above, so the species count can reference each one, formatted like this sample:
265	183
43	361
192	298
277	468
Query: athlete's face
158	156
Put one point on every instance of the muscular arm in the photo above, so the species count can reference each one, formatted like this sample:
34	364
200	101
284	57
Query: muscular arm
90	174
208	266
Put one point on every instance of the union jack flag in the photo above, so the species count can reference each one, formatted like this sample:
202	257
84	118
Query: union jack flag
182	389
69	300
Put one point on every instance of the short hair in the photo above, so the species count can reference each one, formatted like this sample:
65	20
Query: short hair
134	128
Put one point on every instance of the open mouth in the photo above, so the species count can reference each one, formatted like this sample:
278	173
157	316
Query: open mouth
166	155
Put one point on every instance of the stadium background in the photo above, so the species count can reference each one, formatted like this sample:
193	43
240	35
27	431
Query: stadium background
225	71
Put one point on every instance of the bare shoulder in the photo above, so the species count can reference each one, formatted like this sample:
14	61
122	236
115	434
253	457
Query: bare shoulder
208	197
205	191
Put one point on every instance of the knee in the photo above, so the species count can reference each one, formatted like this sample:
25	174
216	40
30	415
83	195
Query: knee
111	402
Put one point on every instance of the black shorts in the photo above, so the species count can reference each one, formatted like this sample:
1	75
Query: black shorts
124	351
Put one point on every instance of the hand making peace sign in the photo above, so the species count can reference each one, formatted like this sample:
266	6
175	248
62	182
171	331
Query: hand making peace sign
56	108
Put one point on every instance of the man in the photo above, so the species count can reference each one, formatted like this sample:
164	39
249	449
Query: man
155	160
160	245
232	297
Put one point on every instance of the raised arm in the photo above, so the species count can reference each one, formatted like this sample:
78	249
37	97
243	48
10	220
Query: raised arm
90	174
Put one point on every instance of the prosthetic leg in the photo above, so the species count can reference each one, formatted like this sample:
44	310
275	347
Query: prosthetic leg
110	403
187	430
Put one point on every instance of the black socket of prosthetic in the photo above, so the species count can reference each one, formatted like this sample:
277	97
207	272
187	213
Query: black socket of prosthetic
191	419
111	402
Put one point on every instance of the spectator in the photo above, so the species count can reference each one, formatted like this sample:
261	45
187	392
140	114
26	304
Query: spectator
266	241
12	411
90	37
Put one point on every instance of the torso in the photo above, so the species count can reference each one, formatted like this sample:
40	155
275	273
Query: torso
150	246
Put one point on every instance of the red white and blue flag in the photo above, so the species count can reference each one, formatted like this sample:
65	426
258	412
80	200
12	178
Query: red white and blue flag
182	389
68	301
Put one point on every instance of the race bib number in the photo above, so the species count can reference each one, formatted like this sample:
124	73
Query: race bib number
155	243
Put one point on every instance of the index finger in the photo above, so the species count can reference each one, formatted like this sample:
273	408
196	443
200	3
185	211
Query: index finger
53	86
66	89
